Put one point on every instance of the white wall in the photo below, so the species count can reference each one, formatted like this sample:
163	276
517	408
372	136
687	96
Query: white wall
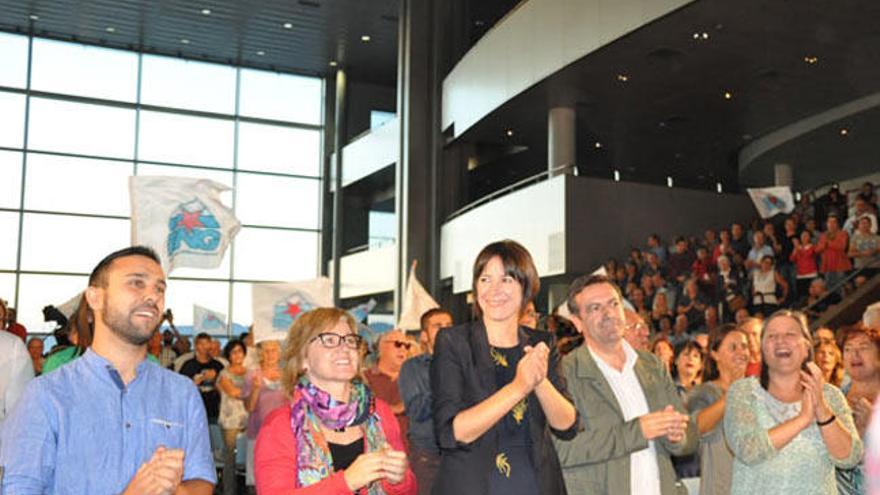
367	272
370	152
537	39
534	217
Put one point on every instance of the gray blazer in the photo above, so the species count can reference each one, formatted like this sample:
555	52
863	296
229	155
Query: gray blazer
596	461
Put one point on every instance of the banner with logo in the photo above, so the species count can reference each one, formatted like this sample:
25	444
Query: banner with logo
416	301
277	306
208	321
770	201
183	219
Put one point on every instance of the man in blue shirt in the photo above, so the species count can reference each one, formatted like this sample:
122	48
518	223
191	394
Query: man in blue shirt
415	390
111	422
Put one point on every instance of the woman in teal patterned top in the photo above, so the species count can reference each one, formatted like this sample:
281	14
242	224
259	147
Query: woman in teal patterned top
789	429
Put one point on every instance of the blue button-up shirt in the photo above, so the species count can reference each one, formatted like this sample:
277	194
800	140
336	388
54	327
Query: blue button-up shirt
415	390
81	430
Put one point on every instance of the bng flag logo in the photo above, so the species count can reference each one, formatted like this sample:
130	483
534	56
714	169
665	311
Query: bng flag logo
285	312
193	229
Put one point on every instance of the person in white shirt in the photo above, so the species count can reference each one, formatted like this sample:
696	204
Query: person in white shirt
632	416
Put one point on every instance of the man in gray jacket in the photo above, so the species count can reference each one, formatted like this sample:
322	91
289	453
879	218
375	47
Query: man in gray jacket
632	417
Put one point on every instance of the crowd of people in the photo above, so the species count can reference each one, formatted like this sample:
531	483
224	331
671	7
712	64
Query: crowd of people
682	370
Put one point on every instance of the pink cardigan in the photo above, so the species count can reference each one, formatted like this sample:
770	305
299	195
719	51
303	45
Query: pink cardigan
275	458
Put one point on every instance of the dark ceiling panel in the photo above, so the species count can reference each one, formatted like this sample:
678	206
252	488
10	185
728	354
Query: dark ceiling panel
249	33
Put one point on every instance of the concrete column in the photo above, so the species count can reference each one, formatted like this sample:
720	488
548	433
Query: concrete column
561	139
339	143
782	175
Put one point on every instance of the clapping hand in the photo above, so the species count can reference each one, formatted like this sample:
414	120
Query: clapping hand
387	464
161	475
668	422
532	367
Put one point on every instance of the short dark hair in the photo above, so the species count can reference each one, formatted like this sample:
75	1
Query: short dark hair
202	336
98	277
231	345
427	315
517	263
582	283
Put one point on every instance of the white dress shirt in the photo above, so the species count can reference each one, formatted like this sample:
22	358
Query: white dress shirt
644	474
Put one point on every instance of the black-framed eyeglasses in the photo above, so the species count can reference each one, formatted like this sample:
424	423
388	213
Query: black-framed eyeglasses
331	340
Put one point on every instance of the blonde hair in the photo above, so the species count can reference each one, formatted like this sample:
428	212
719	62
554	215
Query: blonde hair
303	331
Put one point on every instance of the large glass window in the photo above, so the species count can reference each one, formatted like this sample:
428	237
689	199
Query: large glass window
78	185
14	54
281	97
82	70
175	138
12	120
89	130
81	128
172	82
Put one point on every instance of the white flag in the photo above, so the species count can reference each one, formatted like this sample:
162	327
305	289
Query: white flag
182	219
68	308
208	321
416	301
770	201
277	306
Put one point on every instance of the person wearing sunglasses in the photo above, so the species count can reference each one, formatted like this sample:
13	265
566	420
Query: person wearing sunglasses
334	436
393	349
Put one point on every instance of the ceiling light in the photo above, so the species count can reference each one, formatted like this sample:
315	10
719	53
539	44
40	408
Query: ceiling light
622	77
598	145
669	180
288	25
696	36
811	59
110	29
617	176
844	131
34	17
206	11
260	53
509	132
718	187
333	63
705	35
365	38
728	95
184	41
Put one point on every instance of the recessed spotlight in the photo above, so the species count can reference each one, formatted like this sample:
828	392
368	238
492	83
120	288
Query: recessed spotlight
365	38
333	63
844	131
669	180
617	176
598	145
184	41
704	35
810	59
206	11
509	132
728	95
719	188
260	53
34	17
696	36
110	29
622	77
287	25
479	23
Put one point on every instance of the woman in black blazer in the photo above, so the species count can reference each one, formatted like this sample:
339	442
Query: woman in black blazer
497	393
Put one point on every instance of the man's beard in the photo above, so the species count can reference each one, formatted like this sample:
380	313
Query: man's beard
121	325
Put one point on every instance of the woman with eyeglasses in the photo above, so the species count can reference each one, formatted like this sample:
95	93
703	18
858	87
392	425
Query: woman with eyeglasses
497	391
333	436
393	349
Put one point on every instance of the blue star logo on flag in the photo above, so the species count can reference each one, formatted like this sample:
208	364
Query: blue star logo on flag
774	203
286	311
211	322
192	228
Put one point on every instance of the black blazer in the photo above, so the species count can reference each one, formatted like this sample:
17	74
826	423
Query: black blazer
463	375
